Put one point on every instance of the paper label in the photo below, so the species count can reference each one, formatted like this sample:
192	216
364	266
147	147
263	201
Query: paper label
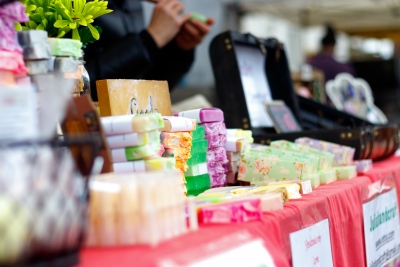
116	125
130	166
382	230
18	114
306	187
125	140
180	124
191	114
234	133
311	246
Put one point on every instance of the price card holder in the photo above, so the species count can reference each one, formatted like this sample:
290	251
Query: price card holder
282	117
381	223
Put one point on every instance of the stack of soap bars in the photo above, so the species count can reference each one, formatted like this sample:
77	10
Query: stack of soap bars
134	141
215	131
197	178
238	141
11	59
132	209
176	138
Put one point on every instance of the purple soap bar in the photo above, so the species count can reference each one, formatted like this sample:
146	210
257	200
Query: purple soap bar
215	141
203	115
363	165
214	128
217	167
217	154
218	179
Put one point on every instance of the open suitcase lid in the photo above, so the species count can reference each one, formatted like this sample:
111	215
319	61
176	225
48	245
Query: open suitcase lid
250	71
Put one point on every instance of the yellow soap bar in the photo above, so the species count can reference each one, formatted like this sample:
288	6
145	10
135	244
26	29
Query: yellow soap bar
125	124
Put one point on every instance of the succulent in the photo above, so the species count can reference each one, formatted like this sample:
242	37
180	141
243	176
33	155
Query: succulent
65	18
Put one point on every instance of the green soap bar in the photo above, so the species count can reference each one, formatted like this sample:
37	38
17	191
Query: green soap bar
198	17
346	172
314	178
199	146
327	177
196	170
198	184
197	159
65	47
199	133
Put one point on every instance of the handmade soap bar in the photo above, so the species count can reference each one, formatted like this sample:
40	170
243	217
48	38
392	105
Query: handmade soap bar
217	167
327	177
234	133
133	153
305	185
363	165
133	139
230	212
176	140
218	179
12	61
155	164
181	153
234	144
216	141
233	156
267	168
214	128
270	201
199	133
65	47
289	191
7	78
197	159
233	166
196	170
231	177
203	115
314	178
346	172
36	52
181	165
343	155
117	125
198	17
178	124
30	37
199	146
217	154
65	64
197	184
37	66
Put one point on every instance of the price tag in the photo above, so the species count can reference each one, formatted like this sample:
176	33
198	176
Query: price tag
311	246
382	230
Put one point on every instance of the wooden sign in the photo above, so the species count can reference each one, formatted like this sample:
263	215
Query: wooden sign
122	97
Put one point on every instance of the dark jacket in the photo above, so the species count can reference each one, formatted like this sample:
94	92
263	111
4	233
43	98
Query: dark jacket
127	51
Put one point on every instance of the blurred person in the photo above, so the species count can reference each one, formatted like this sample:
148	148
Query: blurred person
325	61
127	50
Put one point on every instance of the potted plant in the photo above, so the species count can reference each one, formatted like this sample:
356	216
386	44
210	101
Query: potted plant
65	18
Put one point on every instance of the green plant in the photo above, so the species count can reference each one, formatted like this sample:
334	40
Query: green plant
65	18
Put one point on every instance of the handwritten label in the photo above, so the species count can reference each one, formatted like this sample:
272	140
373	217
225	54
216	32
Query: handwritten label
382	230
311	246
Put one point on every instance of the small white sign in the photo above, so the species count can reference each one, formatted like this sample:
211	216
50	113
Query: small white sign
311	246
382	230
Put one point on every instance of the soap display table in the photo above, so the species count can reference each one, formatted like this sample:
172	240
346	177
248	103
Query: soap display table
340	202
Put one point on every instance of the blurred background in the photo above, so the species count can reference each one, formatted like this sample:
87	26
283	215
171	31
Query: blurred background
368	36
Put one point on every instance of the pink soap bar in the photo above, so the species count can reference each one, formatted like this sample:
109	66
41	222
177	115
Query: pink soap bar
231	177
231	212
215	141
218	179
217	167
12	61
203	115
217	154
214	128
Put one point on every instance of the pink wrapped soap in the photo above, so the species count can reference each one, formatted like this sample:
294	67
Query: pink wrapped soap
203	115
231	212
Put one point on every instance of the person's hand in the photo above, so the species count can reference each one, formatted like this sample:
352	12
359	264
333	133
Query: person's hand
166	21
192	33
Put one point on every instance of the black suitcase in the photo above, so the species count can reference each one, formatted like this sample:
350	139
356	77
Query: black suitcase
249	71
